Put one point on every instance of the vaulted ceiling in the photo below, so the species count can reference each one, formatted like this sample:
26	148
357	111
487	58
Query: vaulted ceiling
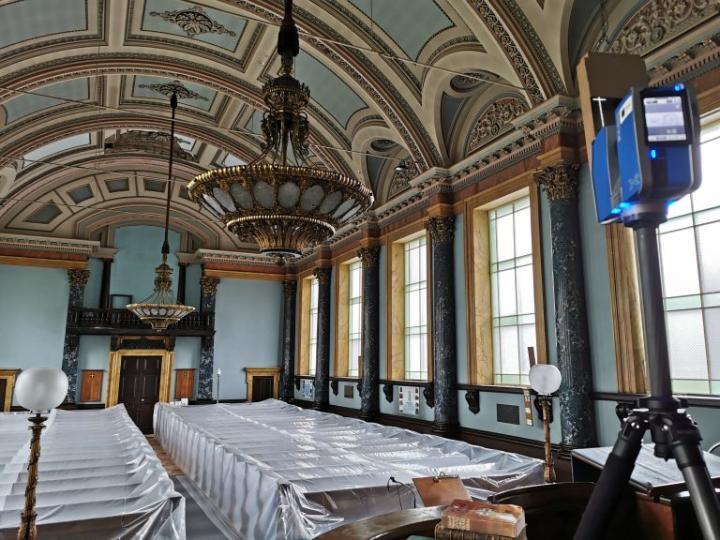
426	81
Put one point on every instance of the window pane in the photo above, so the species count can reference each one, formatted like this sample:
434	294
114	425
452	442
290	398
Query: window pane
415	309
687	345
525	289
523	233
708	241
708	196
679	263
712	328
505	238
509	349
507	292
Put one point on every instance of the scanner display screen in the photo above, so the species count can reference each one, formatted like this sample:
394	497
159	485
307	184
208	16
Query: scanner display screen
664	119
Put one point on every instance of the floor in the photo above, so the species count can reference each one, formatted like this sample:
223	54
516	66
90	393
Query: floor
199	524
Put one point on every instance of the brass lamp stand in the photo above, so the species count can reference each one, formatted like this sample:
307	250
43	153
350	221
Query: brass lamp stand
28	530
549	469
545	379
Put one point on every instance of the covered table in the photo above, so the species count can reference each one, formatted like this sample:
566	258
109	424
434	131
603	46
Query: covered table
99	479
274	470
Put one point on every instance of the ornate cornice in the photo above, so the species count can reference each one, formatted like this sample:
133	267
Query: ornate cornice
40	243
369	256
214	256
209	285
441	228
560	181
78	277
658	21
322	275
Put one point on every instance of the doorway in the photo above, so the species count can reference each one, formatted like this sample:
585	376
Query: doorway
140	388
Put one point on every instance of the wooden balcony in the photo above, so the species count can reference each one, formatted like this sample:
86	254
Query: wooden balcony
122	322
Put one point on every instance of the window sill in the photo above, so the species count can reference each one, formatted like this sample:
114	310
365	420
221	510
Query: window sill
498	388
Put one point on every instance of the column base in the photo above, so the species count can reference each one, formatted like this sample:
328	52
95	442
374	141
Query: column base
444	429
320	407
369	416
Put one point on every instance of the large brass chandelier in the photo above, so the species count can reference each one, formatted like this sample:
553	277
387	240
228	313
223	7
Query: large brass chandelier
285	207
161	309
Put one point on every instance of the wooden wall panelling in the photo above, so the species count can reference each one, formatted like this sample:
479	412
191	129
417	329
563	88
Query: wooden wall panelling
184	383
91	385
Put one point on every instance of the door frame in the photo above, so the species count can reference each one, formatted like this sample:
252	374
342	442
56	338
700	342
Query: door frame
9	375
115	365
262	372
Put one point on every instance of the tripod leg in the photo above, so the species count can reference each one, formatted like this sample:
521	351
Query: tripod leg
689	458
613	480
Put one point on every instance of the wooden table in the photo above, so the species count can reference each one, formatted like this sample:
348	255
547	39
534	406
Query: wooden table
393	526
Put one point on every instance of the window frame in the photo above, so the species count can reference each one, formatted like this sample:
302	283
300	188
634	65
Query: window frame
395	323
479	318
302	354
341	360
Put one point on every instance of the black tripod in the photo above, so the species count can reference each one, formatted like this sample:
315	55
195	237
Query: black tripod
675	435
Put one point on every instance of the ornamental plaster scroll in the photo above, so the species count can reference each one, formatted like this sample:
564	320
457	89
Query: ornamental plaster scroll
193	21
493	120
659	21
174	87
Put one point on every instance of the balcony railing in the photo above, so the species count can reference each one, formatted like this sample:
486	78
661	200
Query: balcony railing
121	321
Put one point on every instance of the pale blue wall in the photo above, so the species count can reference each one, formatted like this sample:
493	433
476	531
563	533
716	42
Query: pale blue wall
187	356
133	271
94	284
193	273
248	319
33	315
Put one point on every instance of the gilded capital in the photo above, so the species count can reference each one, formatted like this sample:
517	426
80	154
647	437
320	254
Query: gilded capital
209	285
322	275
289	288
78	277
369	256
441	228
560	181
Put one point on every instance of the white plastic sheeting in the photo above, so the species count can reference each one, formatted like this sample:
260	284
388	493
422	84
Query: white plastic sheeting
274	470
99	479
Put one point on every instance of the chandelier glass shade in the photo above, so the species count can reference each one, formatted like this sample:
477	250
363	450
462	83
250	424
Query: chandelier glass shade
160	310
282	205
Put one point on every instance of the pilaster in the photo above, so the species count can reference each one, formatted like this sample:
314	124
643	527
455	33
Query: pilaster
208	289
287	372
322	363
370	376
77	278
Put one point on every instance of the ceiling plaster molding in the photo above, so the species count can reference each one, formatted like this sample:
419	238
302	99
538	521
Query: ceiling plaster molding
534	47
215	256
512	51
369	35
193	21
91	65
46	243
150	142
461	43
658	21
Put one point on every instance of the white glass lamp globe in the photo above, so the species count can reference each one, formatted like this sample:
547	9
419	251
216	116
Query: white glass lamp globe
41	389
545	379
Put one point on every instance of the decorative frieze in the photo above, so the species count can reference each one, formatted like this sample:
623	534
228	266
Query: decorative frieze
193	21
658	21
559	181
39	243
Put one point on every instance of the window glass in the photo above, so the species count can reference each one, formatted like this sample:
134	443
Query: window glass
354	319
416	361
690	261
513	300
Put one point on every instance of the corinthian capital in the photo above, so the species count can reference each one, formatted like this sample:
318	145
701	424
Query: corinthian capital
78	277
322	275
369	256
560	181
441	228
209	285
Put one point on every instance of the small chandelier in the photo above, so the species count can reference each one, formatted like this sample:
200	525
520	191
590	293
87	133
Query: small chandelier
160	309
286	208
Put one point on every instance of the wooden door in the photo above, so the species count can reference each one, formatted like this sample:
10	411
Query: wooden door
184	383
91	385
262	387
140	388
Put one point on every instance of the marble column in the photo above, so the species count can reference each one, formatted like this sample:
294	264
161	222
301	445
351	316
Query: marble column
322	363
287	370
441	230
105	284
182	277
577	418
77	278
370	388
208	287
